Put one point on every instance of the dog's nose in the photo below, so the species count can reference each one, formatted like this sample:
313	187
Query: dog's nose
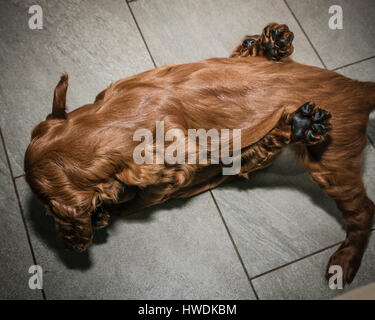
99	218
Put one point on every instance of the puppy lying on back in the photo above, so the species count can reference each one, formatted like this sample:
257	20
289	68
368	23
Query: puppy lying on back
81	162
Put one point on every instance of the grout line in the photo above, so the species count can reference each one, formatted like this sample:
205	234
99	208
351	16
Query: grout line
19	205
234	245
20	176
308	39
353	63
299	259
296	260
140	32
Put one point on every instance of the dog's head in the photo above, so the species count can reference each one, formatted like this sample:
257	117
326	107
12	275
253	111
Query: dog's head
61	174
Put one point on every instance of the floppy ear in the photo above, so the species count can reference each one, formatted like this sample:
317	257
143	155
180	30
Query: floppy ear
59	99
73	226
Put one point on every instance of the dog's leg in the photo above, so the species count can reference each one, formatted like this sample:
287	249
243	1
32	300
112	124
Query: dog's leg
275	43
308	125
342	181
261	154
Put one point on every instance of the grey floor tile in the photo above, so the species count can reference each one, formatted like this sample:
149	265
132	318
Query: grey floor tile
179	250
15	254
305	279
280	215
179	31
338	47
364	71
96	42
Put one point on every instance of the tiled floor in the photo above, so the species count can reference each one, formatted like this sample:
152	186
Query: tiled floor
267	239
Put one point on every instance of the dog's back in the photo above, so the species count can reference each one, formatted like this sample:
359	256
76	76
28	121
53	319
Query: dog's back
76	161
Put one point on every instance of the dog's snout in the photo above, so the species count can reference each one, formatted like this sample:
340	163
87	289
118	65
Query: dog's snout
99	218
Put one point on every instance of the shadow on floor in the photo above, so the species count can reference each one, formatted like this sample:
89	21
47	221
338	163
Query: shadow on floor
282	174
371	129
288	174
44	228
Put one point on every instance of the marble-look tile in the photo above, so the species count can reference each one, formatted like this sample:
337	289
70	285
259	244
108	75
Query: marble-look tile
304	279
363	71
280	215
96	42
179	31
179	250
338	47
15	254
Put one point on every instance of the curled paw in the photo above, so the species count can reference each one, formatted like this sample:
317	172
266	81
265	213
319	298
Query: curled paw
277	41
310	124
248	47
247	43
99	218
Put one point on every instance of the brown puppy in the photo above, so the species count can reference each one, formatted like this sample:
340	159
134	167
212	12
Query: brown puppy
81	161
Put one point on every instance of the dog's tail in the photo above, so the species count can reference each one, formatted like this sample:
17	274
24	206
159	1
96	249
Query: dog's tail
369	88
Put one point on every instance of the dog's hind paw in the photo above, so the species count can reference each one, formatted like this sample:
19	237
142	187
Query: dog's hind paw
310	124
349	260
276	41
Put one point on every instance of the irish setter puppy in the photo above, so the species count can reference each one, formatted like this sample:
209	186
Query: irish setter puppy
81	163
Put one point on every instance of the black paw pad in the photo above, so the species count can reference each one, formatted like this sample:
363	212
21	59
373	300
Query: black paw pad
309	124
307	108
277	41
281	43
320	115
310	137
248	43
320	128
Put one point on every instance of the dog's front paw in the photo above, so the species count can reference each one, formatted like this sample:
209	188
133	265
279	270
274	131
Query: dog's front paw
248	47
349	260
99	218
277	40
310	124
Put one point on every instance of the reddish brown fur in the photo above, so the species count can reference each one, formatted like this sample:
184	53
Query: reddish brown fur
72	176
